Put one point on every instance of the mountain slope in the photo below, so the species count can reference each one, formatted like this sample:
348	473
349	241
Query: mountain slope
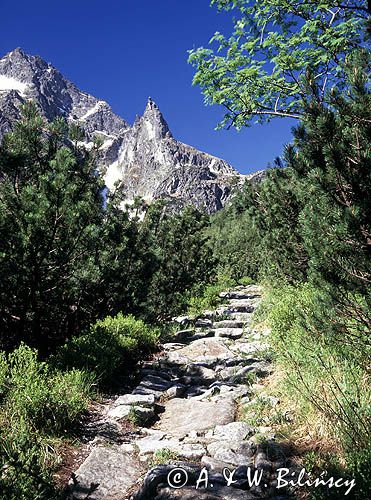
143	160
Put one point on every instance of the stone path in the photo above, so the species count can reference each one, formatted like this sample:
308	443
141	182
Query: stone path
186	409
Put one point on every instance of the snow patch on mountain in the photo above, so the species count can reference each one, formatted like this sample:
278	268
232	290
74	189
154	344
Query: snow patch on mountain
9	83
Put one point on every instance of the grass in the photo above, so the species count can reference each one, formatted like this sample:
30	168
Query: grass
163	456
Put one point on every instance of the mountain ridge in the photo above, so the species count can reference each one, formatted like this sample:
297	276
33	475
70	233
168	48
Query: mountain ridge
142	160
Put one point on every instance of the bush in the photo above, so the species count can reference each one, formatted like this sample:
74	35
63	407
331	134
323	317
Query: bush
323	371
202	298
48	400
25	461
245	281
111	345
38	404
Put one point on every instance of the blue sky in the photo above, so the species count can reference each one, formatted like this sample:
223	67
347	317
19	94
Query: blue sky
126	50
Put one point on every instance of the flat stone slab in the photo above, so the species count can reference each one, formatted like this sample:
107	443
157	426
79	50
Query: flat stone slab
250	347
147	400
235	431
150	444
200	349
112	470
228	323
183	416
231	333
238	316
233	452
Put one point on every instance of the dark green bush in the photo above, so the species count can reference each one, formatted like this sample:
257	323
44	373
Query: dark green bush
111	345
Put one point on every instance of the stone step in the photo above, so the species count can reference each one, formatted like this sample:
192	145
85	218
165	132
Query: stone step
108	472
238	295
245	305
231	333
228	323
245	317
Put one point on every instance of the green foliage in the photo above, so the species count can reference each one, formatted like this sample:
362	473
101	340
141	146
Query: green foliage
322	370
49	213
46	400
204	298
260	70
185	259
68	256
163	456
25	462
306	230
37	405
111	345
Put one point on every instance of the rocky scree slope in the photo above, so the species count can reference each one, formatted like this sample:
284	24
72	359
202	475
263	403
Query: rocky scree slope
143	160
185	408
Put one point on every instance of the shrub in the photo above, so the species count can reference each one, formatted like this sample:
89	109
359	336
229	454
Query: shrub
324	372
110	345
245	281
48	400
38	403
203	298
25	462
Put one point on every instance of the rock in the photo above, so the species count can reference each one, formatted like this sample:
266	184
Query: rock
146	400
260	369
203	334
111	469
216	492
234	431
213	464
228	323
182	320
182	416
121	411
175	391
238	316
250	347
233	452
150	444
158	475
231	333
203	322
239	295
182	335
171	346
241	305
158	373
143	415
124	411
261	461
201	372
152	384
202	351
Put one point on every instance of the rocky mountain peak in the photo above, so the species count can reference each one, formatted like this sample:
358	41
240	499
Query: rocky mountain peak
152	123
145	158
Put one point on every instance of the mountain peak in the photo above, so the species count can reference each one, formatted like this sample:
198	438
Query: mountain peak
155	123
18	52
144	158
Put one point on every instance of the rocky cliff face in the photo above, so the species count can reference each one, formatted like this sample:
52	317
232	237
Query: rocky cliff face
143	160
